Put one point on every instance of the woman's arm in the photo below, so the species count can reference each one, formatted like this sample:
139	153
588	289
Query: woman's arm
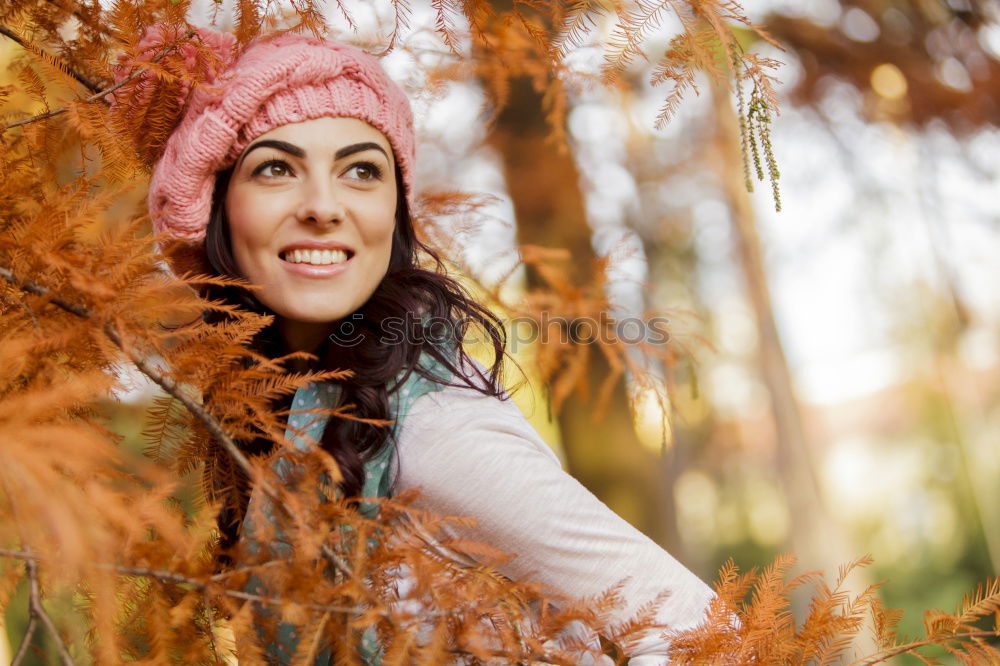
474	455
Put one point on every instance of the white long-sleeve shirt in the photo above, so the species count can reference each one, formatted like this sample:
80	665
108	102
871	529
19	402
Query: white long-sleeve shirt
476	455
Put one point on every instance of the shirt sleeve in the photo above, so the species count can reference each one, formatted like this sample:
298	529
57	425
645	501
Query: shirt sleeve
476	455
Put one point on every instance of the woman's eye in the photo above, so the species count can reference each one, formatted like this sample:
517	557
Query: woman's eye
272	169
366	171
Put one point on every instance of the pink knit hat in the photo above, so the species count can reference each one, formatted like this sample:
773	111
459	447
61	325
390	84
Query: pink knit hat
278	80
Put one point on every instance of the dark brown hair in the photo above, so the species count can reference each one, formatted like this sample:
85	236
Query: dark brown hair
379	368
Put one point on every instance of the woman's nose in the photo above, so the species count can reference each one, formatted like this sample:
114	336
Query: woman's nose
320	204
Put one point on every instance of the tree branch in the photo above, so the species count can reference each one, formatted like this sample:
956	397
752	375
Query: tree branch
36	610
911	648
249	569
31	561
101	94
87	83
179	579
171	387
26	639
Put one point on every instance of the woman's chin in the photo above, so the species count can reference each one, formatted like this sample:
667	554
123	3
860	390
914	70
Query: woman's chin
314	318
313	311
311	318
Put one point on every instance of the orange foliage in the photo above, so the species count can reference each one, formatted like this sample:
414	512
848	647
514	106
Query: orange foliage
80	297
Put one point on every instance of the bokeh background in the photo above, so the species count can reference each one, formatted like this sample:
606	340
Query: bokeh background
835	387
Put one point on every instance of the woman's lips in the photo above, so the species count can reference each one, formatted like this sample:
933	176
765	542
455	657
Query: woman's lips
314	271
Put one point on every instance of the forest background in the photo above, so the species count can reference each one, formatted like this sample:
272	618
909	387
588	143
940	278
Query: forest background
829	387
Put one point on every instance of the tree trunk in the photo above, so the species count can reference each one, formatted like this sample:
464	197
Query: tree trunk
816	538
794	459
543	183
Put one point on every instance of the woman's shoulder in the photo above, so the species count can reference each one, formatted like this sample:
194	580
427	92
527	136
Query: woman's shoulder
468	386
449	363
462	417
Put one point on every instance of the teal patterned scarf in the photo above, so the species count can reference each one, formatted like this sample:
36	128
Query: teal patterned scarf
377	481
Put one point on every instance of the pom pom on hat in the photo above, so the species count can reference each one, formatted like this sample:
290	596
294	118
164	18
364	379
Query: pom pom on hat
160	37
278	80
156	76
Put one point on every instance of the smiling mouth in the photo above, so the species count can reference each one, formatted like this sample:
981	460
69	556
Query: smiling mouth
316	257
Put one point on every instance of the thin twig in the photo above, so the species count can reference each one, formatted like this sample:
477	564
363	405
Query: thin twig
912	647
42	116
39	290
148	369
31	313
250	569
29	633
179	579
171	387
32	560
98	95
211	630
22	650
87	83
37	610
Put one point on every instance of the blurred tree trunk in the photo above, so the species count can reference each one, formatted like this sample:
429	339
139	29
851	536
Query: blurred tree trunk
812	530
607	457
816	539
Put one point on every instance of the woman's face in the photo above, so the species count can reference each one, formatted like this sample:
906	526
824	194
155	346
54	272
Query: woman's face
311	209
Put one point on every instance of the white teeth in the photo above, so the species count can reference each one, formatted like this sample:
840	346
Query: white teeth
317	257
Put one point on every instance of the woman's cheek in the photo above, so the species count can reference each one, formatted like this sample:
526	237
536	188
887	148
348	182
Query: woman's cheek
247	232
253	219
383	217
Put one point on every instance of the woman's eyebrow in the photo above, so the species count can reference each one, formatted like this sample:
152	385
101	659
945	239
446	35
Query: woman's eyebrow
294	150
357	148
283	146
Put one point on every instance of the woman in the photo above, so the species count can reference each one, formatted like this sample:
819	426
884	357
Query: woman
294	170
